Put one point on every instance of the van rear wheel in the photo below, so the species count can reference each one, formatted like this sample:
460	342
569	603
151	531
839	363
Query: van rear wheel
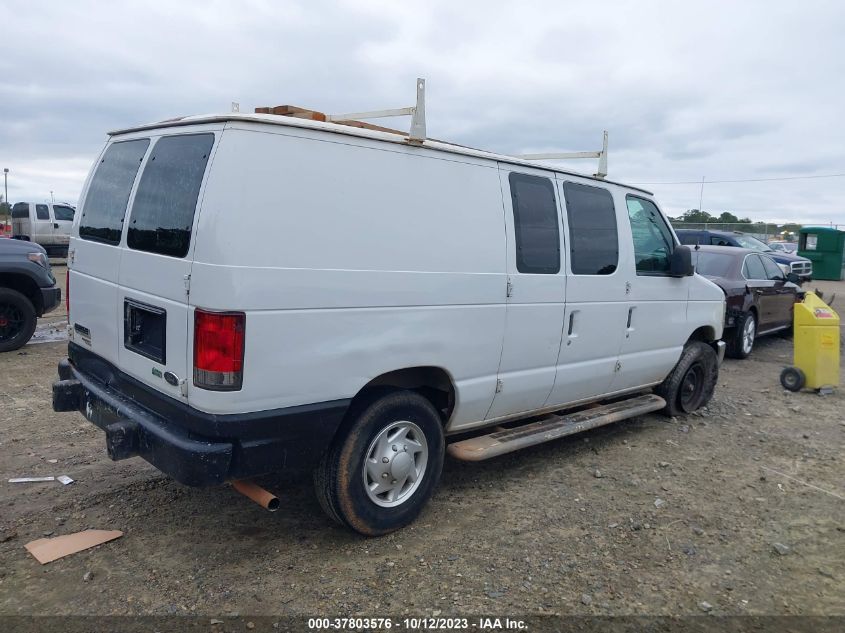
17	320
384	466
692	382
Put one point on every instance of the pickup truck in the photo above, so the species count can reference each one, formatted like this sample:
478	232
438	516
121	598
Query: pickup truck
27	291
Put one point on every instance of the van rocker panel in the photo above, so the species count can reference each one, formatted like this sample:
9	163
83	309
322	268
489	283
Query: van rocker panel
193	447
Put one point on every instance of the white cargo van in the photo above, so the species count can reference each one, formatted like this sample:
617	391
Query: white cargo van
48	224
253	293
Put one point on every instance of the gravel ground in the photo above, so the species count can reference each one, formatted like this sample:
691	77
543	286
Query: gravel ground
739	509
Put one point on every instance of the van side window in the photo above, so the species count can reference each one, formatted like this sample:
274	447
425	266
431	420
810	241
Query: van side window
163	210
593	237
20	210
653	242
42	212
108	195
535	224
61	212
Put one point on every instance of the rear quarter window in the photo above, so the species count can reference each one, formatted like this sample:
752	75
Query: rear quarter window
108	195
163	210
20	210
593	237
61	212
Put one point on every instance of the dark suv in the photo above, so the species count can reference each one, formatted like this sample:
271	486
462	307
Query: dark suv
801	266
27	291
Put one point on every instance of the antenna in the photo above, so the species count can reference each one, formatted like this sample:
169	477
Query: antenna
601	155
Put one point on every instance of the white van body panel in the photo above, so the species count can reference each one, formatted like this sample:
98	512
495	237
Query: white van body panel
366	259
354	254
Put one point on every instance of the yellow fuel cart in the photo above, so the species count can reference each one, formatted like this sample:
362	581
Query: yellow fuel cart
816	347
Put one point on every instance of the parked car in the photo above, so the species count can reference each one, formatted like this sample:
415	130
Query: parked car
783	247
27	291
801	266
759	297
386	305
47	224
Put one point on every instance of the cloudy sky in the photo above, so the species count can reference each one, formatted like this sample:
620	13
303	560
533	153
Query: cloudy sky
720	90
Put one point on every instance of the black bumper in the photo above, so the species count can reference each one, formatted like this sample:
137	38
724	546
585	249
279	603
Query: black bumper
193	447
50	298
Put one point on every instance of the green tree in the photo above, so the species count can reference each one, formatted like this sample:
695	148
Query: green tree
696	216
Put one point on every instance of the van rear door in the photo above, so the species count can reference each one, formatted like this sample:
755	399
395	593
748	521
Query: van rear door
155	267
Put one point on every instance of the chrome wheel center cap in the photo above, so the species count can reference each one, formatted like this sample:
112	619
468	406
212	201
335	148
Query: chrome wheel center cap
401	465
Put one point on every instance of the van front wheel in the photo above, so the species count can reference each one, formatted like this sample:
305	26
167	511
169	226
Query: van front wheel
384	465
692	382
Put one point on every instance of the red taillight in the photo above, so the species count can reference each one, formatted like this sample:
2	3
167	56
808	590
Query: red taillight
219	350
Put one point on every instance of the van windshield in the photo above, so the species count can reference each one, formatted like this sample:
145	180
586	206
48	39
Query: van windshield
163	210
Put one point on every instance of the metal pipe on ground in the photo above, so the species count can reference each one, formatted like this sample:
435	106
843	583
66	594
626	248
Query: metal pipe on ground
262	497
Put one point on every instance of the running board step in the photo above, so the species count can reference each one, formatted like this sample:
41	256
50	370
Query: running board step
551	428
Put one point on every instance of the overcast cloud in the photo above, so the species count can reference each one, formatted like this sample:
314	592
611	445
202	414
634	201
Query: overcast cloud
729	90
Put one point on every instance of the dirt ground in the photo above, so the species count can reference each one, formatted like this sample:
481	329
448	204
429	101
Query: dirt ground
737	510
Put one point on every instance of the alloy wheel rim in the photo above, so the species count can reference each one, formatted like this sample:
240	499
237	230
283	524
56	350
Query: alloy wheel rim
395	463
748	332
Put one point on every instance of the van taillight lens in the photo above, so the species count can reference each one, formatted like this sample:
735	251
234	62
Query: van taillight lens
219	350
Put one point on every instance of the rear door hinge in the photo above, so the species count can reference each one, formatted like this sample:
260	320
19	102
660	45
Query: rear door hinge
618	366
499	385
509	288
187	280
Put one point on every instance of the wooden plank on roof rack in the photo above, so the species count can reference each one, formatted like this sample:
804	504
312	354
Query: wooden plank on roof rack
293	111
369	126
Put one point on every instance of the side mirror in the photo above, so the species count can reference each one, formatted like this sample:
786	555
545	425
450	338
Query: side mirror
680	262
793	278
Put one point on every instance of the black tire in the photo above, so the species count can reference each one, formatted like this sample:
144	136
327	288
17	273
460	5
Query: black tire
793	379
17	320
340	480
736	346
691	384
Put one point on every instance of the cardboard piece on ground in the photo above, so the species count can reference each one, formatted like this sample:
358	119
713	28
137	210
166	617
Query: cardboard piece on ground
46	550
64	479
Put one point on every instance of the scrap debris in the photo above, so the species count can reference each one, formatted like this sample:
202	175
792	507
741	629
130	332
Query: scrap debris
46	550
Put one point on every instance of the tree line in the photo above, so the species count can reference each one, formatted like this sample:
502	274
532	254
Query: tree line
747	225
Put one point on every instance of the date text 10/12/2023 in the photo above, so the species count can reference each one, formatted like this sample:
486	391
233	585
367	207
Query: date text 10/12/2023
417	624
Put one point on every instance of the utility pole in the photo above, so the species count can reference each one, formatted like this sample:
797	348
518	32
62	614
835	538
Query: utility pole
6	184
701	195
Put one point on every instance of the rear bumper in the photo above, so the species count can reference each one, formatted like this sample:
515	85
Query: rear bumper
164	432
50	298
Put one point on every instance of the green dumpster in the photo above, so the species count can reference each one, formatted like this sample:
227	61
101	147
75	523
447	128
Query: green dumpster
825	246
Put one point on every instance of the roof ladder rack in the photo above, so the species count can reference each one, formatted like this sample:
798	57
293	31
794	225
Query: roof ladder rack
416	112
601	155
416	135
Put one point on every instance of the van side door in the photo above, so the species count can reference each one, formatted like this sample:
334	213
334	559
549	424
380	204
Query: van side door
535	294
656	327
594	320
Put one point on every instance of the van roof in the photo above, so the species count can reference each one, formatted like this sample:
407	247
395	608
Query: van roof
444	146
